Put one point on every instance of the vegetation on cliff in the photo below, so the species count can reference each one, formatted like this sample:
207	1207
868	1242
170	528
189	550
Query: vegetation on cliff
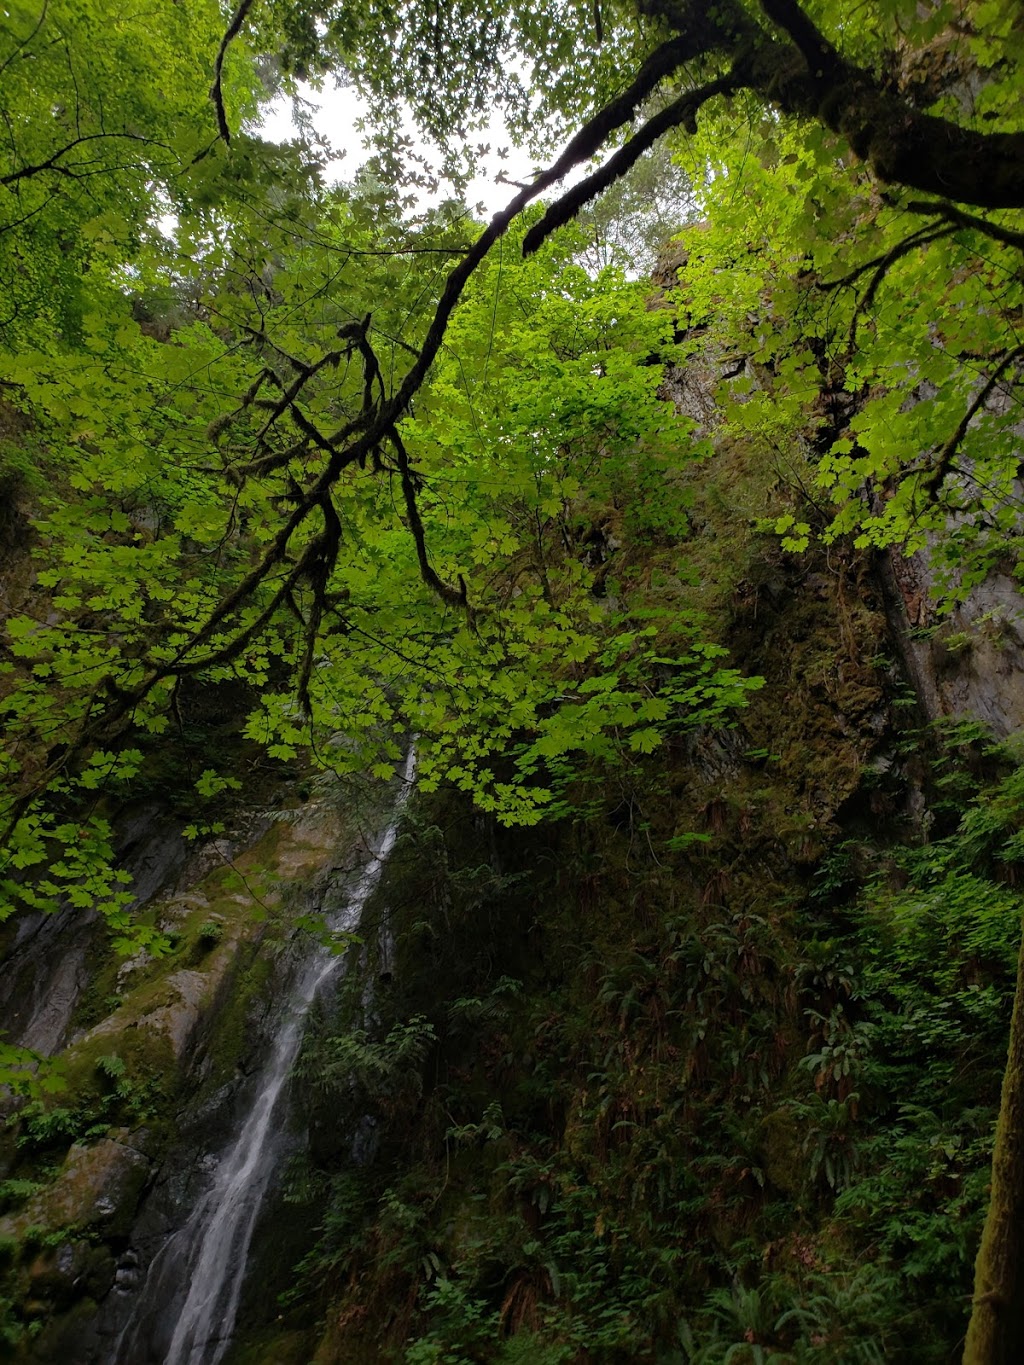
377	470
695	1105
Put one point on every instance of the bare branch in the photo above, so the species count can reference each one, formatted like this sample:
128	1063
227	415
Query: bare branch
448	594
53	163
966	220
322	560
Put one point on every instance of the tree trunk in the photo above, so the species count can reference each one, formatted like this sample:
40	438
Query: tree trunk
995	1335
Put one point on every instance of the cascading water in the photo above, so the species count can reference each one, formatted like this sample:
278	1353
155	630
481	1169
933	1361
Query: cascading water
210	1250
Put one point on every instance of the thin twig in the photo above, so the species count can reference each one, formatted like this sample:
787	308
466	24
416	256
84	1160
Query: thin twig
944	460
25	41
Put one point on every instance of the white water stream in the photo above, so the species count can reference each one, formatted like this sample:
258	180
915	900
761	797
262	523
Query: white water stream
213	1246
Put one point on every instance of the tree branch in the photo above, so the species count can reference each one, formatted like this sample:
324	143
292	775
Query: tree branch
321	566
452	596
803	75
53	163
911	240
26	40
923	237
943	466
680	111
821	57
966	220
386	416
216	90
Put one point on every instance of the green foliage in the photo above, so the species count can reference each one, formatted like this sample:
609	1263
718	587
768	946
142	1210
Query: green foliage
78	858
181	527
881	420
835	1318
672	1136
521	442
16	1191
13	1330
240	479
43	1126
385	1073
112	1094
103	117
210	933
938	946
25	1072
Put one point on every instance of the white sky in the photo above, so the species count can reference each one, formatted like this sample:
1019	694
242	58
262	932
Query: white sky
336	116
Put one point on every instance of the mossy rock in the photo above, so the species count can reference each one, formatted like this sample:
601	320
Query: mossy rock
782	1155
97	1187
282	1348
61	1337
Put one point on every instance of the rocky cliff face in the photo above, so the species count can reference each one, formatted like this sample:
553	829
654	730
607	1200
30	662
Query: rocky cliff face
699	1053
692	1052
151	1055
969	663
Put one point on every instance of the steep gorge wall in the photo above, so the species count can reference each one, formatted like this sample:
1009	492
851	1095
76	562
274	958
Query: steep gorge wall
153	1056
660	1113
617	1065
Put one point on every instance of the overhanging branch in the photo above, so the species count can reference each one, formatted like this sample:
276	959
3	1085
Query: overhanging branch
963	219
216	90
681	111
793	67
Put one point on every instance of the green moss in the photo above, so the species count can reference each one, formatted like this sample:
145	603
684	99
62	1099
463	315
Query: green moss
60	1338
231	1038
782	1153
282	1348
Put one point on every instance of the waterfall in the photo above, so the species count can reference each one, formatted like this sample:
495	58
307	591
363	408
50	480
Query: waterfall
210	1250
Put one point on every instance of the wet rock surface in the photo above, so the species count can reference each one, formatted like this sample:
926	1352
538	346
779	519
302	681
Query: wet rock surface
183	1046
97	1188
46	967
968	664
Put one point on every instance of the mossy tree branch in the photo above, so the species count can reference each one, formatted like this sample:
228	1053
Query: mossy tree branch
794	68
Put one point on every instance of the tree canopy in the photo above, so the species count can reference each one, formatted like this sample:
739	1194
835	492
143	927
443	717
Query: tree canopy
293	436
